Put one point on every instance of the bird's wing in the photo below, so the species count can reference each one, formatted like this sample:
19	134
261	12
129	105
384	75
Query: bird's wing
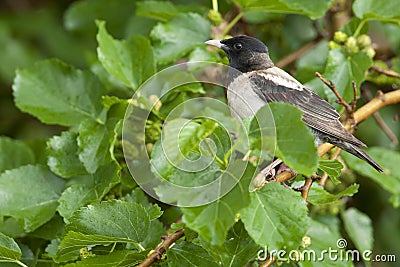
275	85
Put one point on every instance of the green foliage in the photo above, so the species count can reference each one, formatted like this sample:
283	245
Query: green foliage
67	194
268	220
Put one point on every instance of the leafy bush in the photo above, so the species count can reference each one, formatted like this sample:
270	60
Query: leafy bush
67	194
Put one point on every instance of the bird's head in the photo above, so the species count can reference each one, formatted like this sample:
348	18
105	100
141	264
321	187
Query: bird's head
245	53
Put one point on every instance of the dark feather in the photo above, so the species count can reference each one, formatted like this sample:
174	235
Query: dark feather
317	113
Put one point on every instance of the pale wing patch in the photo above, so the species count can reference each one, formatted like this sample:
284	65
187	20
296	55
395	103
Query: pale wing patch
280	77
280	80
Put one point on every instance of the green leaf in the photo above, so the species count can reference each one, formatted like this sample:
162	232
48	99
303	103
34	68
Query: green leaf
57	93
318	195
95	142
63	157
180	137
130	62
295	141
313	9
158	10
389	179
189	254
43	189
212	221
112	218
359	227
237	250
9	250
325	237
15	154
375	9
332	167
73	241
115	259
342	69
277	217
96	186
177	37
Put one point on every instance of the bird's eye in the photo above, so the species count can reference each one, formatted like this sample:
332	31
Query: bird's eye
237	46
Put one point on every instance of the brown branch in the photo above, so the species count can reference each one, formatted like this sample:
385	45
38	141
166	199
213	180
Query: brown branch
389	73
161	248
306	188
377	116
360	115
296	54
268	262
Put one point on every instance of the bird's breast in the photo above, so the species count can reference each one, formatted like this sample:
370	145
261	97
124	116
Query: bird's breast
242	100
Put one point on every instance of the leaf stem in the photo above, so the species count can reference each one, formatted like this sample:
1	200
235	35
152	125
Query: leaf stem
20	263
215	5
113	247
359	27
232	23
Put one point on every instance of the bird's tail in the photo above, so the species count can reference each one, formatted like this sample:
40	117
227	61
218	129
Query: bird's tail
359	153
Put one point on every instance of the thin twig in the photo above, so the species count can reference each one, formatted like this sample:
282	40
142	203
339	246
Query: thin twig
306	188
268	262
354	103
296	54
161	248
389	73
331	86
377	116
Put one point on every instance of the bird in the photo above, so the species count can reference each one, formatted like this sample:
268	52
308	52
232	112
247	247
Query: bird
249	58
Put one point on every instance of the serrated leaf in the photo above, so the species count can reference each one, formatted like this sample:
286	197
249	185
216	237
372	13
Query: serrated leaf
318	195
310	8
94	143
158	10
189	254
276	217
389	179
332	167
9	250
96	186
180	137
57	93
130	62
212	221
179	36
112	218
43	189
359	227
73	241
18	154
63	157
237	250
383	10
294	140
